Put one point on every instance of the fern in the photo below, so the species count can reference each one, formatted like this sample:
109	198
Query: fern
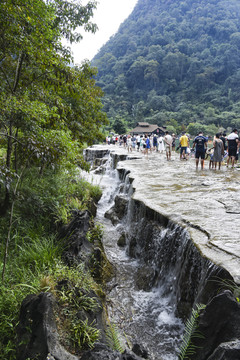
188	348
113	338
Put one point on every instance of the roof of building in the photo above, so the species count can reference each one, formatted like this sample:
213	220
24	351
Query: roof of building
143	124
148	128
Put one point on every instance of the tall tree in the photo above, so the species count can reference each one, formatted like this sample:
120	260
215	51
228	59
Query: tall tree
48	109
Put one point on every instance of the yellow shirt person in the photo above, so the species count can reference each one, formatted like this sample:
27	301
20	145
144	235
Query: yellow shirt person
184	143
183	140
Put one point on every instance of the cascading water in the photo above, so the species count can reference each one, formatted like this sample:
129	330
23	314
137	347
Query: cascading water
145	317
168	216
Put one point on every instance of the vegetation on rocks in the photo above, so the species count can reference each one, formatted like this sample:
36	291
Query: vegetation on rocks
49	110
34	262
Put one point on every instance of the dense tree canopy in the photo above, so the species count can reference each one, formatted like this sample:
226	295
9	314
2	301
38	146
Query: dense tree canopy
48	109
174	60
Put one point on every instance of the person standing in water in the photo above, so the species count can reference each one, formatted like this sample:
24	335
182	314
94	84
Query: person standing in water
184	144
218	151
232	141
155	142
148	145
161	147
168	145
200	142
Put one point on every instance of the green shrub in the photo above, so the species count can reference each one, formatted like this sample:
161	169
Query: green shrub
34	257
26	267
83	334
52	197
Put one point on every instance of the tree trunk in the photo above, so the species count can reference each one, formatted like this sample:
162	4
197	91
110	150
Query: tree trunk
6	202
15	153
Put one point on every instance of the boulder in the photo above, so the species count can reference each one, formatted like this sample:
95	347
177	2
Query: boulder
140	351
92	207
219	324
145	278
111	215
227	351
37	335
121	204
102	351
77	247
122	240
118	210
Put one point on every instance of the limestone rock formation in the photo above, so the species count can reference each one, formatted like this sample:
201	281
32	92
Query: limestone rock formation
77	249
118	210
122	240
101	352
37	331
37	334
219	324
227	351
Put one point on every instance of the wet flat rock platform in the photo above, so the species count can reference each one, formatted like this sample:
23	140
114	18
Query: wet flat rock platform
206	201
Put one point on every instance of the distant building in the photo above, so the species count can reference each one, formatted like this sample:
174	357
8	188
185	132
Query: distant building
143	128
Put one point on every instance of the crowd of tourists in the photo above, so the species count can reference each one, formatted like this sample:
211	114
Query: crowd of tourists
223	148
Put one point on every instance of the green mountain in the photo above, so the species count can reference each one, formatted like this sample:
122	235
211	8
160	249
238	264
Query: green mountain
174	63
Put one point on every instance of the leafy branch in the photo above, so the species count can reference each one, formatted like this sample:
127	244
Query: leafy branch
188	348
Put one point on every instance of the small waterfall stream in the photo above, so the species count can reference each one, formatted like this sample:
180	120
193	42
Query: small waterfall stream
171	257
143	317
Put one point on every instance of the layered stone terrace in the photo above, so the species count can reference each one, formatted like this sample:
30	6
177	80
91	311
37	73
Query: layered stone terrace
206	202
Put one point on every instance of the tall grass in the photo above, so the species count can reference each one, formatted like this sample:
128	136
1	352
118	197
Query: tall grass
50	198
28	263
34	257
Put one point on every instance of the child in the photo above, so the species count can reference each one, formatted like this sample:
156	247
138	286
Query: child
209	153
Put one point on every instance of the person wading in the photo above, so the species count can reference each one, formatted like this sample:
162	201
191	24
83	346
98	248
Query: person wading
168	146
200	142
184	144
232	141
218	151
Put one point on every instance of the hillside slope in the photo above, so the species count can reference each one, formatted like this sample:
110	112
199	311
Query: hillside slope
174	62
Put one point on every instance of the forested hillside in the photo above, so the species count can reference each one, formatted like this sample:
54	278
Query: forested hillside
174	63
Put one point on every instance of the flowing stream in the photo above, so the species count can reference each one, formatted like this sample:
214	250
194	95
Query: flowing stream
142	317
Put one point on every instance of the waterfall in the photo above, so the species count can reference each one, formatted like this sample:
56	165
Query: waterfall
160	272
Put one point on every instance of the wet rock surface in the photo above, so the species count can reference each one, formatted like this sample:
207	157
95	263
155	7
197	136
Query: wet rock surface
77	248
102	352
206	202
37	334
227	351
118	210
219	324
168	199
